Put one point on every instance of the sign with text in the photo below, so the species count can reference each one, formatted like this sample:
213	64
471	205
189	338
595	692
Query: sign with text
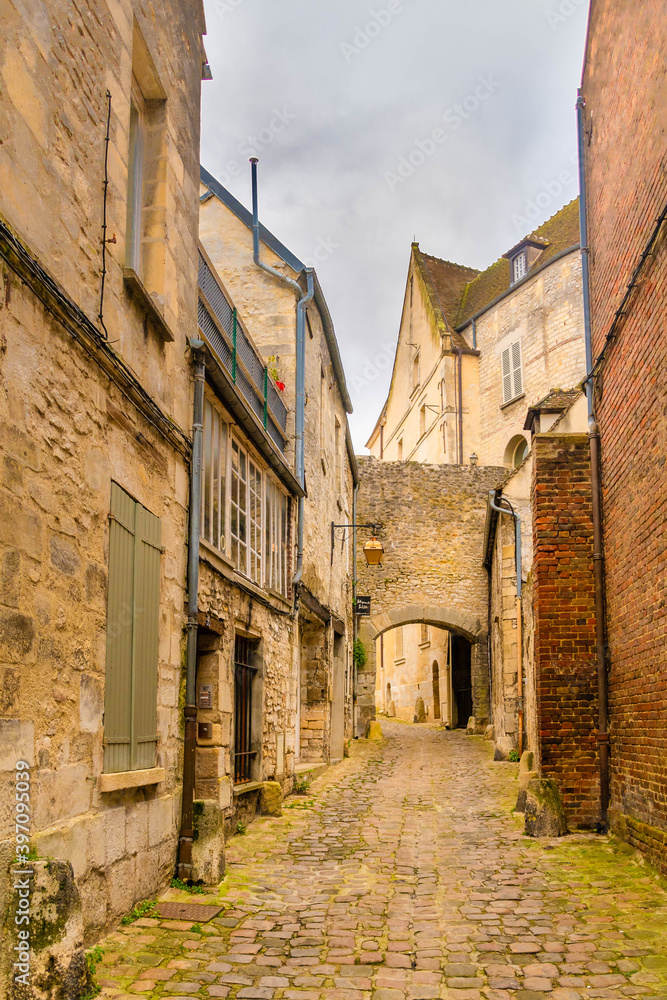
363	606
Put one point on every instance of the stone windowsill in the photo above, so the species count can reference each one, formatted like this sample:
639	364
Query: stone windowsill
511	402
400	660
138	289
118	780
248	786
424	645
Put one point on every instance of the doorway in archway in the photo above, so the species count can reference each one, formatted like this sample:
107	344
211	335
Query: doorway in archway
461	681
436	690
408	658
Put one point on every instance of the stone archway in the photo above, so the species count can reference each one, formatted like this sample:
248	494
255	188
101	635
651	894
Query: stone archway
433	521
371	628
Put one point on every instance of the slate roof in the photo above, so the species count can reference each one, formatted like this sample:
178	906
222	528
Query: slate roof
556	401
458	292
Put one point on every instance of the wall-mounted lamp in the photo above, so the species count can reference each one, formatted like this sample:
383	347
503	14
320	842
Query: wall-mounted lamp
373	550
473	459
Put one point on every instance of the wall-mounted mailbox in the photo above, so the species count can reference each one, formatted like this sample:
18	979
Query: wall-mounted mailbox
205	731
206	696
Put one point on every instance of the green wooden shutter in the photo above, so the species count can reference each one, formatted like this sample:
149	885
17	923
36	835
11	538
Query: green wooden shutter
146	622
133	606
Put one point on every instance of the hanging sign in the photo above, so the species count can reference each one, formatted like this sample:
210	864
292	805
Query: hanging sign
363	606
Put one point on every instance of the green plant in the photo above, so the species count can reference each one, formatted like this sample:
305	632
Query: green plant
513	756
176	883
301	786
93	958
241	828
143	909
359	654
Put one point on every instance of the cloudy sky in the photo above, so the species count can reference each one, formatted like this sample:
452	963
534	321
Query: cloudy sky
444	121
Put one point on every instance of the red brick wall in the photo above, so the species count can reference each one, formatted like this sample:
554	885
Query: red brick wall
625	88
564	609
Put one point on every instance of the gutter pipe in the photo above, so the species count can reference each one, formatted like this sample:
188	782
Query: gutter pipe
519	636
594	443
355	620
302	305
460	413
186	835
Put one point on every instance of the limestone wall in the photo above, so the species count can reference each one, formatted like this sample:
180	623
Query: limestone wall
77	412
433	525
546	314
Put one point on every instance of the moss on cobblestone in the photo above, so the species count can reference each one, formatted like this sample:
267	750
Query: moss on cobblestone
398	883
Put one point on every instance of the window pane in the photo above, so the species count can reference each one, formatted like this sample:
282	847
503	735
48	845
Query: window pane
206	517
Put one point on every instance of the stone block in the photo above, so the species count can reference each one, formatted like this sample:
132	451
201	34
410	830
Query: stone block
210	762
373	730
271	799
136	828
489	733
391	711
114	834
504	746
57	963
545	816
208	848
160	819
60	794
420	712
96	848
122	893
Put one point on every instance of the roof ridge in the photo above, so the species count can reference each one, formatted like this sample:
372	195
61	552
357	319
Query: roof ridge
451	263
546	222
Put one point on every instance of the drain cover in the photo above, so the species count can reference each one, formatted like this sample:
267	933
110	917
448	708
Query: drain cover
196	912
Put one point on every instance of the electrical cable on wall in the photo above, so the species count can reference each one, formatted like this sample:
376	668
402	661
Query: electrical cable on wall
104	216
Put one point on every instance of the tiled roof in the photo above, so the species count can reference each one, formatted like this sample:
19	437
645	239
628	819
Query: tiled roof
561	231
457	293
556	401
445	282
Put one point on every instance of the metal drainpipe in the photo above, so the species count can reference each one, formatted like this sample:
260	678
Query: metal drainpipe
594	443
301	308
519	632
460	414
190	743
355	620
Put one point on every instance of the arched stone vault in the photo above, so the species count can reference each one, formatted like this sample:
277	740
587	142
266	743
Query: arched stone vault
433	521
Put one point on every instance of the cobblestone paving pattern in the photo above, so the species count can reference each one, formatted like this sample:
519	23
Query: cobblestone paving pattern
403	875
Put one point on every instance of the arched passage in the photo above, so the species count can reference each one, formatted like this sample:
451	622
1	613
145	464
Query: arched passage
459	688
432	522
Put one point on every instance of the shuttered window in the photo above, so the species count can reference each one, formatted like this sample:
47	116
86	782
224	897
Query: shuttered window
133	606
512	373
213	485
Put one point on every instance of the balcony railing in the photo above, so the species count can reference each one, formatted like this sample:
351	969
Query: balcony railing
225	334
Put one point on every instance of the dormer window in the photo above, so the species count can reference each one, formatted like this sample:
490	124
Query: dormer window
524	256
518	267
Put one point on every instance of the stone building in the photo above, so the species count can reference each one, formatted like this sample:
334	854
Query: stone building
98	245
246	690
474	350
624	91
324	592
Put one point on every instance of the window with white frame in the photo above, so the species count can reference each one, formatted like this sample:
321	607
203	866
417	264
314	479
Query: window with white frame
246	514
276	539
214	467
135	179
512	373
518	267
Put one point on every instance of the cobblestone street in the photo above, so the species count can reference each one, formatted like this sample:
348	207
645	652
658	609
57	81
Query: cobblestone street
403	873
